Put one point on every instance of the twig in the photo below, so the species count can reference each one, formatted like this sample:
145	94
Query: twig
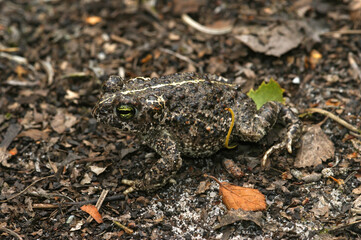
18	194
44	205
121	40
94	159
344	226
180	56
99	203
335	118
108	199
126	229
355	67
345	31
11	232
10	49
212	31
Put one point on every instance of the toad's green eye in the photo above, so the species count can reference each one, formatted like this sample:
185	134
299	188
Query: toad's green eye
125	112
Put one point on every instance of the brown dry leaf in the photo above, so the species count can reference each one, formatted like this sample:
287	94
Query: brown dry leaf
232	168
275	40
13	151
93	211
20	71
314	59
58	123
146	58
35	134
238	215
92	20
187	6
315	148
333	102
356	143
236	197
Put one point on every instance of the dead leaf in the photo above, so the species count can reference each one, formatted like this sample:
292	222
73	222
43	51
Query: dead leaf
92	211
187	6
97	170
146	58
356	143
70	95
35	134
277	40
13	151
232	168
236	197
86	179
62	121
238	215
92	20
58	123
315	148
313	59
20	71
202	187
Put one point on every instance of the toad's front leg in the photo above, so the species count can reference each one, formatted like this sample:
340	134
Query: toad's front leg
168	165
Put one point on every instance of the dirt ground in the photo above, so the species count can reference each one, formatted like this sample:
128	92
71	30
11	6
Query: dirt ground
55	158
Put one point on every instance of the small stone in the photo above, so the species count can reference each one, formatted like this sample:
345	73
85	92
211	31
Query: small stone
313	177
327	172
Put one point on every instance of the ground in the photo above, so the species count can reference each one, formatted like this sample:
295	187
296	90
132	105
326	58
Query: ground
55	158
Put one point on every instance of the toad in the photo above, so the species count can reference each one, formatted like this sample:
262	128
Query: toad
185	114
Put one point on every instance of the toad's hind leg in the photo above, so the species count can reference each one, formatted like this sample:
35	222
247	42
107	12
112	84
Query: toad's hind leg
294	129
254	128
168	165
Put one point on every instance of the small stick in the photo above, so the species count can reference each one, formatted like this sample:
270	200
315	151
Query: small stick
180	56
11	232
25	189
99	203
355	67
212	31
335	118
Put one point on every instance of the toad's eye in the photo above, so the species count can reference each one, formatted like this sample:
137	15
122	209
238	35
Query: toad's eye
125	112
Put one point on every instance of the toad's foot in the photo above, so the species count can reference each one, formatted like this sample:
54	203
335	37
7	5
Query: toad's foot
138	185
159	174
293	134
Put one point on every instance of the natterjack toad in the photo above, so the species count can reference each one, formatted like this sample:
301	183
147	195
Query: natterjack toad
184	114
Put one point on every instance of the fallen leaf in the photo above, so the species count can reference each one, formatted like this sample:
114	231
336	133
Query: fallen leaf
277	40
70	95
92	211
267	92
92	20
333	102
58	123
13	151
356	143
187	6
315	148
97	170
35	134
86	179
236	197
314	59
20	71
238	215
146	58
232	168
202	187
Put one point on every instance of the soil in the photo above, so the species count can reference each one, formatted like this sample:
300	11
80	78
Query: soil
55	158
